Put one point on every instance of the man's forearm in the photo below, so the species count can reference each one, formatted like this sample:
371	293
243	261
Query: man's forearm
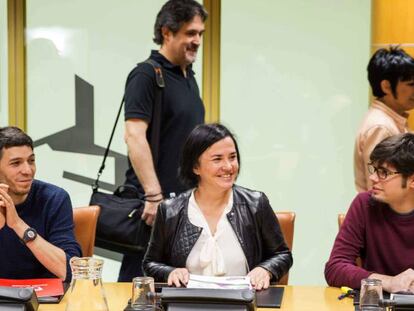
141	159
50	256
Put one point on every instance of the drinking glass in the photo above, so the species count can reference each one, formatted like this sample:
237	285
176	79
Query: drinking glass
141	299
370	294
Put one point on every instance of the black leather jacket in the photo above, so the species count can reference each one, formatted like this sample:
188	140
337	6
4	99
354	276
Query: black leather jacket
251	218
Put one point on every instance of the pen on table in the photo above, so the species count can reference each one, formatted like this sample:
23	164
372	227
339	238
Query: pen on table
346	292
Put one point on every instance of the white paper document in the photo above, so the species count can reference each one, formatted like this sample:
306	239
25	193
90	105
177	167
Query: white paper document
219	282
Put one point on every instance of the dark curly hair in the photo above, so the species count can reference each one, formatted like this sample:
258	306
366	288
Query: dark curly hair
174	13
11	136
398	151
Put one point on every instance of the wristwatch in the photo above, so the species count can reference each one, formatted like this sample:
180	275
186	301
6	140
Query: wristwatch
29	235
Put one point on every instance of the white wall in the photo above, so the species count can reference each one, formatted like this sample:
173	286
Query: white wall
100	41
4	114
294	89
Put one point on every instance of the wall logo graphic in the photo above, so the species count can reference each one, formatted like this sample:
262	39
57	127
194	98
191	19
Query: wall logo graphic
80	138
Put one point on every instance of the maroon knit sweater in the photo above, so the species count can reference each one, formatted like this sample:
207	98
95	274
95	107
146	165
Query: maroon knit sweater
373	231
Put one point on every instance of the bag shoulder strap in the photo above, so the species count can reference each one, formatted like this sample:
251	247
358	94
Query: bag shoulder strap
155	122
156	111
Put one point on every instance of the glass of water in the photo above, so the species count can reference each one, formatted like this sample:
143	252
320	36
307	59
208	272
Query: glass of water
142	287
370	294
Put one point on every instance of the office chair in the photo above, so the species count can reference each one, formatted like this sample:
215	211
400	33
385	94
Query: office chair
341	218
85	219
287	225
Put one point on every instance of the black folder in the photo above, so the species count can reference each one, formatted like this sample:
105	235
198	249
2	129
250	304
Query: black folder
270	298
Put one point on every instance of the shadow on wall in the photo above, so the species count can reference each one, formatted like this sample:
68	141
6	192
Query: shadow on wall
80	138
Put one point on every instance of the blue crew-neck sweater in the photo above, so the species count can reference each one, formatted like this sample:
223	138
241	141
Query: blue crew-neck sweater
47	209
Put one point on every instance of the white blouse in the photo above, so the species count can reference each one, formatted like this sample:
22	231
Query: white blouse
216	255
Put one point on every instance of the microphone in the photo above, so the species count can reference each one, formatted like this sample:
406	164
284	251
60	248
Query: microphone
398	301
154	296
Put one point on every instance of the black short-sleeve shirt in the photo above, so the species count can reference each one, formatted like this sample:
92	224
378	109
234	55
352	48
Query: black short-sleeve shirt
181	110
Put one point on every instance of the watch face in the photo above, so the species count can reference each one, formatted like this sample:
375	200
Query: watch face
31	234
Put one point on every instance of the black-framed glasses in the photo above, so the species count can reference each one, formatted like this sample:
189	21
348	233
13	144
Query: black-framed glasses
381	172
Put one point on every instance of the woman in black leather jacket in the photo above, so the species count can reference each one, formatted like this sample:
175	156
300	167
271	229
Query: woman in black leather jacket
216	228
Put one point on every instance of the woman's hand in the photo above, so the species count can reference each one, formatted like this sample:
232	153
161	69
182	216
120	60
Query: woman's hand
260	278
178	277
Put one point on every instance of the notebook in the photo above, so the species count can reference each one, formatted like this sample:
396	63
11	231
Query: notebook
270	298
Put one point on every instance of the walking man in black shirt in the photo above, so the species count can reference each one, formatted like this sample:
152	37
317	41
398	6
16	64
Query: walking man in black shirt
178	30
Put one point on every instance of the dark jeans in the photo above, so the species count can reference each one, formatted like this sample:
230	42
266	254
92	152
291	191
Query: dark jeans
131	267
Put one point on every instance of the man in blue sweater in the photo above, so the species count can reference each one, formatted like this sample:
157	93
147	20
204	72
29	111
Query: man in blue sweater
36	218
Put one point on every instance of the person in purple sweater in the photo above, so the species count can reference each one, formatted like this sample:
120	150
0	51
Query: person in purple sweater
379	225
36	218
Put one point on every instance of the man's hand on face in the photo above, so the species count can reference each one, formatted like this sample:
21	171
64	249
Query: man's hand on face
2	216
3	207
8	210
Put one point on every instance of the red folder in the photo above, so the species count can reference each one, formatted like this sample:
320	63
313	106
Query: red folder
42	287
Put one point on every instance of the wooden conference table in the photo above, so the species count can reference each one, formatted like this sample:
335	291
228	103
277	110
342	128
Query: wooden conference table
295	298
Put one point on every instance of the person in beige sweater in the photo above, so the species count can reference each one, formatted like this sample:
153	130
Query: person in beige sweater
391	76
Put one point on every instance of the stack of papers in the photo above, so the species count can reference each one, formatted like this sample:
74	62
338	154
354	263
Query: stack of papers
219	282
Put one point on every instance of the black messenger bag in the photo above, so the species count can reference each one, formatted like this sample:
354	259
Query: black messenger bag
120	227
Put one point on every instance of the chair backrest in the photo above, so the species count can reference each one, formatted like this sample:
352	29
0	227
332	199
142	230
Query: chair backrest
85	219
287	225
341	218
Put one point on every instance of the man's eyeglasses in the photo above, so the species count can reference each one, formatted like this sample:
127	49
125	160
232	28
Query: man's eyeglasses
381	172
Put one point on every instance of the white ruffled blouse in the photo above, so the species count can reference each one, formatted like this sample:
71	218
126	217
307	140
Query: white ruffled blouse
216	255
